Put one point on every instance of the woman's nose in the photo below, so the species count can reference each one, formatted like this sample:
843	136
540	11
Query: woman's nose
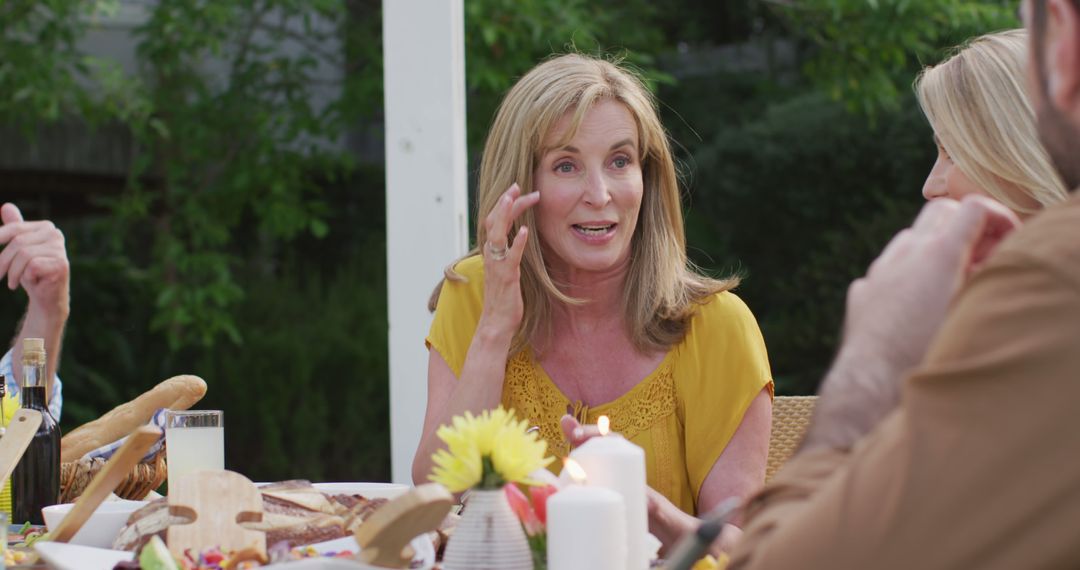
935	186
596	191
932	189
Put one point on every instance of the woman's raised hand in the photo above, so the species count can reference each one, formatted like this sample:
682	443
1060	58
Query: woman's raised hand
503	307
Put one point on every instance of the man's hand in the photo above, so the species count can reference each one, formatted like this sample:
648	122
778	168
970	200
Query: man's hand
34	258
898	307
896	310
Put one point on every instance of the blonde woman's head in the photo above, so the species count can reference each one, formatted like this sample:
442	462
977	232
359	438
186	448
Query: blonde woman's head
661	286
984	126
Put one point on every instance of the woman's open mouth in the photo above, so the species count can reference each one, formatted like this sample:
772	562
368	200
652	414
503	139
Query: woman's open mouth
593	230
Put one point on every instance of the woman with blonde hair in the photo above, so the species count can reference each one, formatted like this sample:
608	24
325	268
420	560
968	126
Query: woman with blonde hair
984	126
581	299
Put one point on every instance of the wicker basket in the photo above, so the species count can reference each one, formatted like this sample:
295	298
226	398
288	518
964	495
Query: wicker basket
144	477
790	417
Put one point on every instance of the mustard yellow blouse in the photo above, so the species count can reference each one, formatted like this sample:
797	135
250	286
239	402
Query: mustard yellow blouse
683	414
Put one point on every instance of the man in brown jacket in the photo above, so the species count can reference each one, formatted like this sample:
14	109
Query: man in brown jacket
945	435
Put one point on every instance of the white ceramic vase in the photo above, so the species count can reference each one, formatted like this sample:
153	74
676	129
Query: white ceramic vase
488	536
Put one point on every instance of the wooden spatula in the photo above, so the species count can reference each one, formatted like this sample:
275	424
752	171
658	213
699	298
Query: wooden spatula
24	424
384	536
115	470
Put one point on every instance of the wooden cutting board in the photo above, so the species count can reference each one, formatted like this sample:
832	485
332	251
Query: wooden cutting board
24	424
217	502
385	536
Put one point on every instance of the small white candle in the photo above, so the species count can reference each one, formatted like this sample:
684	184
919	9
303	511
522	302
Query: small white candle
614	463
585	529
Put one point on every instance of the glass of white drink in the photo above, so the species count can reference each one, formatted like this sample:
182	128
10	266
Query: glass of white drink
194	441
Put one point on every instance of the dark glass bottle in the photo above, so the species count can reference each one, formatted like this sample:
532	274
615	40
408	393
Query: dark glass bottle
36	480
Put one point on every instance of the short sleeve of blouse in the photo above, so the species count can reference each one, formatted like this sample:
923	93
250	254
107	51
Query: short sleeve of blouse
722	366
457	314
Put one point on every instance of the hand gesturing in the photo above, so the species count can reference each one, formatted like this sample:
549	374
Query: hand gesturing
503	306
34	258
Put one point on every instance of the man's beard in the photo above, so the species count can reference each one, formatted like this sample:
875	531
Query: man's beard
1062	142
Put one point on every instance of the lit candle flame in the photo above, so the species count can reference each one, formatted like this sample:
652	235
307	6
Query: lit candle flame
603	424
575	471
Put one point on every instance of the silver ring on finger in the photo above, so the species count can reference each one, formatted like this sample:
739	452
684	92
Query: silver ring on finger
496	253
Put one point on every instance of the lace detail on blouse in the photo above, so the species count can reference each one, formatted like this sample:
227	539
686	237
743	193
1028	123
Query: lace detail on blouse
534	396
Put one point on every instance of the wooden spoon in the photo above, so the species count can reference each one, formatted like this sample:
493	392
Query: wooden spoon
24	424
111	475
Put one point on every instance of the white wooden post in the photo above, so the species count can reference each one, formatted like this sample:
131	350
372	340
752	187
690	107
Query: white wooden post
426	192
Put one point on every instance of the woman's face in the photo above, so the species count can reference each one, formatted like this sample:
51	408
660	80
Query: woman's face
946	180
590	191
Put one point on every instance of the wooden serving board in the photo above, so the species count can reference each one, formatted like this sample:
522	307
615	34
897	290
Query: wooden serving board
385	536
217	502
24	424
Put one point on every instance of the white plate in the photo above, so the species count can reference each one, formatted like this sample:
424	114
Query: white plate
423	549
62	556
75	557
369	490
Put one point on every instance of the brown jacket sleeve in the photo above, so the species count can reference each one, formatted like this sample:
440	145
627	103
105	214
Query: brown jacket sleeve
979	467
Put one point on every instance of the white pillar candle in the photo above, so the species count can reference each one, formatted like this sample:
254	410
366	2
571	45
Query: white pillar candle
613	462
585	529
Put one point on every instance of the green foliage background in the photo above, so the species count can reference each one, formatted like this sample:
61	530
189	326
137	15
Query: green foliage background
243	247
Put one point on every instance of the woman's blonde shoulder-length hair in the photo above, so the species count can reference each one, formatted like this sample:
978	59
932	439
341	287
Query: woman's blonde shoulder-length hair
662	287
978	105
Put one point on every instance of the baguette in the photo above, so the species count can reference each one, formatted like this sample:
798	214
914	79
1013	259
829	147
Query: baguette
176	393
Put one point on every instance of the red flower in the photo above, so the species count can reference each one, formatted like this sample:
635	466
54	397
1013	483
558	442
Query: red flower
519	503
539	497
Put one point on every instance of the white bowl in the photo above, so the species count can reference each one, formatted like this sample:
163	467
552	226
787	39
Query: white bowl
368	490
101	529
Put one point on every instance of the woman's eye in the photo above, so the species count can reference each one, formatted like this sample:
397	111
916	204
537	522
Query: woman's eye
564	167
621	162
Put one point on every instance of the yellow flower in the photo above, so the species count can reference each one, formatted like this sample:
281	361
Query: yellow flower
488	451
